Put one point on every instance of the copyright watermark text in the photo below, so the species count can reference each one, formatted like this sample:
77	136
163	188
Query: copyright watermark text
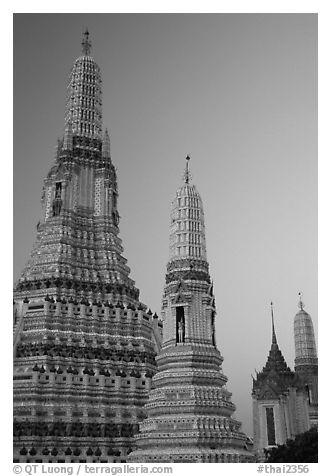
36	469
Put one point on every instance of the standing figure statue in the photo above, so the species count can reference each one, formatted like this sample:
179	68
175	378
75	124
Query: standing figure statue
181	331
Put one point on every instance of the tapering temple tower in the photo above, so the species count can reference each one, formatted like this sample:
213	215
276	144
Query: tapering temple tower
84	346
306	361
280	409
189	409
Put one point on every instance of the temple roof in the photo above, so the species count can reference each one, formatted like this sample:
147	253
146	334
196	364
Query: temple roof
276	375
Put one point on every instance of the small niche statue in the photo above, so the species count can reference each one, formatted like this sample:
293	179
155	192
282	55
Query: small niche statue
58	189
180	330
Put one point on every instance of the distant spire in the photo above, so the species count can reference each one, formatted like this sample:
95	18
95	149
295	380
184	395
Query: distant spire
86	44
301	304
304	339
187	174
274	339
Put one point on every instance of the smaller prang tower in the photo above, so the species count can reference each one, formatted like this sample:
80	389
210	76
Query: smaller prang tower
280	409
190	409
306	361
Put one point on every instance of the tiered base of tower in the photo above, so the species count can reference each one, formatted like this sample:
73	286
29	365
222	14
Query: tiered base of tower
82	375
189	412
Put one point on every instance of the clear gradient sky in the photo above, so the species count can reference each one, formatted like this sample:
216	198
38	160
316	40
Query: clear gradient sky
238	92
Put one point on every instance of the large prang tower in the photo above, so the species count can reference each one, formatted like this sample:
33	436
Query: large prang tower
84	346
189	409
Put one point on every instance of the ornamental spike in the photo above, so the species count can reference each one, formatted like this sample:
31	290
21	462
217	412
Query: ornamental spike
274	339
86	44
301	305
187	173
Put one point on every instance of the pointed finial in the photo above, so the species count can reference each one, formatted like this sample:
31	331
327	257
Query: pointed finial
274	339
187	174
301	304
86	44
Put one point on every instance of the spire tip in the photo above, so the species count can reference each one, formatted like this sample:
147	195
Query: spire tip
274	338
300	304
187	174
86	44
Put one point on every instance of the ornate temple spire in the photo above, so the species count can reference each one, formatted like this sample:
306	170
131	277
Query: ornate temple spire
306	360
275	359
189	413
187	229
84	95
274	338
80	186
75	278
304	338
86	44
